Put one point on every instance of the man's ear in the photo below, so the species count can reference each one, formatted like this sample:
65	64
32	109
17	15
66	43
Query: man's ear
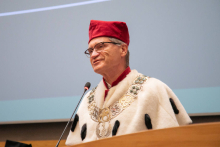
124	50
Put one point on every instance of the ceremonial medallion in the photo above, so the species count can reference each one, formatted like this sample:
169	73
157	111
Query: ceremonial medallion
103	130
105	115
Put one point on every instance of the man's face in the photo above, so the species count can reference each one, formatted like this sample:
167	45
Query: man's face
108	59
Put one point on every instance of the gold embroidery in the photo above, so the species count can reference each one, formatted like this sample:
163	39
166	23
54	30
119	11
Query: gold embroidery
105	115
125	101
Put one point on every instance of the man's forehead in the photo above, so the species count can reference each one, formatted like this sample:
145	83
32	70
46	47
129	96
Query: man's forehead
97	40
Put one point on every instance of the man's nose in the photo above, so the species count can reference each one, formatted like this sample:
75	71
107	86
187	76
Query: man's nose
94	54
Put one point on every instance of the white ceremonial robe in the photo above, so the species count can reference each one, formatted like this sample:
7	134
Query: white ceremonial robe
153	99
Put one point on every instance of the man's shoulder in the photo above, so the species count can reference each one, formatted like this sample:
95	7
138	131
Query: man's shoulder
156	82
153	81
154	85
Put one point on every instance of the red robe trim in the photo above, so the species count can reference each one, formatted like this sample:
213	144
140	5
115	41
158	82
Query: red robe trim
119	79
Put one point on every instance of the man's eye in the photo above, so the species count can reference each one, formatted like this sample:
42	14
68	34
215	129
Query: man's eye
90	51
99	46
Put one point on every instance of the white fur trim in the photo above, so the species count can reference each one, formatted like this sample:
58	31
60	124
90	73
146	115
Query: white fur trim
152	100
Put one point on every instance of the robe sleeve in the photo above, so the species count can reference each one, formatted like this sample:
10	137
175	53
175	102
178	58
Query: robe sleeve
178	111
169	111
75	136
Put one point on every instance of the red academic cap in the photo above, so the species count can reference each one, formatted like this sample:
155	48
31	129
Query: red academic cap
115	29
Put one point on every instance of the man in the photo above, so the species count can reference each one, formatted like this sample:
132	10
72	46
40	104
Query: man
124	101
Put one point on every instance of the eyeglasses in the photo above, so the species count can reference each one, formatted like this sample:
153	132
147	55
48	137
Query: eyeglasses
98	48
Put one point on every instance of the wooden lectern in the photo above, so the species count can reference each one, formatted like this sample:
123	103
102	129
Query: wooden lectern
198	135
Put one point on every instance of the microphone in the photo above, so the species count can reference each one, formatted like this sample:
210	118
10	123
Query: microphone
86	87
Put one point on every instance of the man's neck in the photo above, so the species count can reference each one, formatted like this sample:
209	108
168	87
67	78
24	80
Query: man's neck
112	75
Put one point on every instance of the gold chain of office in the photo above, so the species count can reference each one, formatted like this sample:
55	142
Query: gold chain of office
105	115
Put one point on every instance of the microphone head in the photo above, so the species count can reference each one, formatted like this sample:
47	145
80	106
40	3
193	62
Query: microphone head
87	86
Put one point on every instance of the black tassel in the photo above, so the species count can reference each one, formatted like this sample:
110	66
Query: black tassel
148	121
83	132
176	111
115	128
76	119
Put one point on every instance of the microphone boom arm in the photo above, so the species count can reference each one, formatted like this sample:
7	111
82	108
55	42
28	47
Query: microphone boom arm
72	116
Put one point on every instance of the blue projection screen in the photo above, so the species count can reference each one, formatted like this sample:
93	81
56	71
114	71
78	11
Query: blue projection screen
44	68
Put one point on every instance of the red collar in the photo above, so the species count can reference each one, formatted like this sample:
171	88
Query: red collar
120	78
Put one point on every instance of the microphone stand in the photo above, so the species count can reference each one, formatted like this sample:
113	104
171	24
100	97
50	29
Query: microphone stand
70	118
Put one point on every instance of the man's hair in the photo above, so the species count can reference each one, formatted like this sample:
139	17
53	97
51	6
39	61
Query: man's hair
121	42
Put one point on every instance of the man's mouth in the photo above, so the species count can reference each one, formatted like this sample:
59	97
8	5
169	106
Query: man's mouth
96	61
